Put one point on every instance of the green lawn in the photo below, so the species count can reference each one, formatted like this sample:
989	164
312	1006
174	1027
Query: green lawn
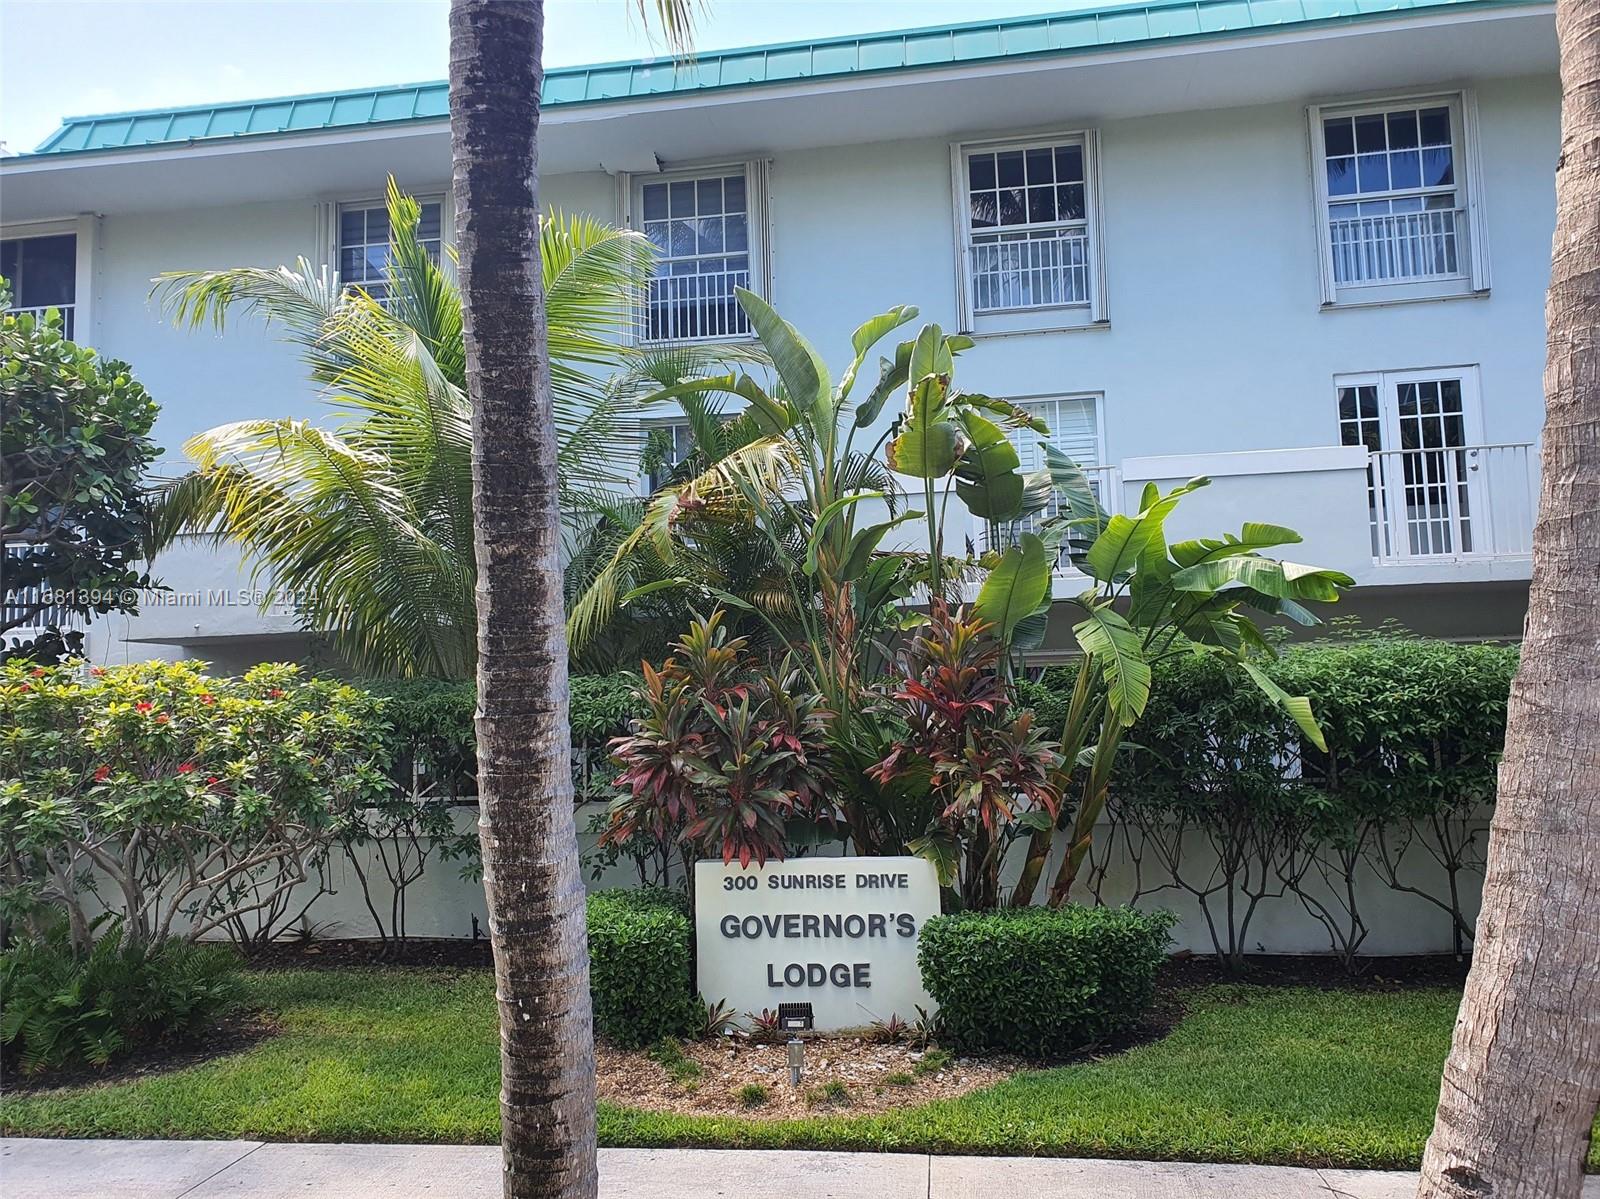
1252	1074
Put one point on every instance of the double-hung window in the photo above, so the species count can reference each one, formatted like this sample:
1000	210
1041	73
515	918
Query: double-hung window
1025	213
706	230
42	273
1396	211
364	243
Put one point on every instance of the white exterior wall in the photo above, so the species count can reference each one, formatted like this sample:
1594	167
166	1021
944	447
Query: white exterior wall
1217	340
444	904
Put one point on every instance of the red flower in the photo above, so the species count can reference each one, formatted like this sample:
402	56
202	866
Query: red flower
276	693
98	671
24	688
208	698
163	719
212	780
186	768
143	706
102	774
38	672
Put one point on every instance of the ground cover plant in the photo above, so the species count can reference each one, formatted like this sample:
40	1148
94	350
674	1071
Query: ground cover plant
1251	1073
65	1008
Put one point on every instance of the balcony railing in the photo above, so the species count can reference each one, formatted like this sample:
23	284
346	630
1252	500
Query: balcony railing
1040	269
1399	247
1459	502
67	312
693	307
1106	484
23	604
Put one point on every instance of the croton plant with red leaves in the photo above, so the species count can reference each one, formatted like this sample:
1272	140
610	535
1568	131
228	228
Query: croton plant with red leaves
987	766
726	753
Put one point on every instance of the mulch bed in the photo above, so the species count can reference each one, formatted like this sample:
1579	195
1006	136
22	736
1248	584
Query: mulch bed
339	954
711	1074
1322	971
232	1033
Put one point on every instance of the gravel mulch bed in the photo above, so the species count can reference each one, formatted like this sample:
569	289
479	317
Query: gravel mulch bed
843	1075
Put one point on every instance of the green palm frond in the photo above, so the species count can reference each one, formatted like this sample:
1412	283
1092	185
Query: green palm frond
368	520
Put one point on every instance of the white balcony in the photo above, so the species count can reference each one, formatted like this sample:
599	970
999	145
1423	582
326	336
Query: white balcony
1106	484
1399	247
1433	516
67	311
31	606
1471	502
1035	269
702	307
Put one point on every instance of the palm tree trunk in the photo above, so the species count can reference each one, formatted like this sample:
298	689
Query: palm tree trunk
531	876
1522	1083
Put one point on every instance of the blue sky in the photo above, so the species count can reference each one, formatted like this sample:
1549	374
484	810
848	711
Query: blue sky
62	57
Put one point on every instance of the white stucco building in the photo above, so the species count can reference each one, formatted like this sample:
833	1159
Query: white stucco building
1300	246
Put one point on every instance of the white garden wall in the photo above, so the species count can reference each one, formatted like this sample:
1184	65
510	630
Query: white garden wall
443	904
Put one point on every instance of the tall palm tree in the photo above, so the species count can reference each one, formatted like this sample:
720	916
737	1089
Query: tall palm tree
1522	1083
531	874
368	520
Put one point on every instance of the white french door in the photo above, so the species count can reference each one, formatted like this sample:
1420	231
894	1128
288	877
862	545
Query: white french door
1425	490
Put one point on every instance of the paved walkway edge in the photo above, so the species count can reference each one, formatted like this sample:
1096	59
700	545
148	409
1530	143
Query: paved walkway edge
32	1168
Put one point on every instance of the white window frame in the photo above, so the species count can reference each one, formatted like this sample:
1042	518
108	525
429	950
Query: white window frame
630	198
329	213
1473	278
1096	401
1102	474
86	229
326	223
1042	318
1386	383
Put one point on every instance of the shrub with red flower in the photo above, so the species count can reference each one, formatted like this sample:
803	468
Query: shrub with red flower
92	786
724	756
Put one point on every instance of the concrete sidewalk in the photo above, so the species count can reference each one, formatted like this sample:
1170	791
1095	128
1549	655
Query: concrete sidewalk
49	1169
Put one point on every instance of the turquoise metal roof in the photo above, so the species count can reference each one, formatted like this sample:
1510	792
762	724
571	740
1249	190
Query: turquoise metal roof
1059	34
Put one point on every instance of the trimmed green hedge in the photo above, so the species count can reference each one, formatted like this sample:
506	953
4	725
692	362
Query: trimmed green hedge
1041	981
639	966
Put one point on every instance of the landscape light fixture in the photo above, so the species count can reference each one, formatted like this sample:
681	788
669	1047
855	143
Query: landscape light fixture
795	1018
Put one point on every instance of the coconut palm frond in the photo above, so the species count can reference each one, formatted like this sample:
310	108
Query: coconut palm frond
369	519
322	523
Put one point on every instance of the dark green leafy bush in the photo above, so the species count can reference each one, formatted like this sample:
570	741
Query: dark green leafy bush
639	966
63	1008
1041	981
1414	730
431	728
